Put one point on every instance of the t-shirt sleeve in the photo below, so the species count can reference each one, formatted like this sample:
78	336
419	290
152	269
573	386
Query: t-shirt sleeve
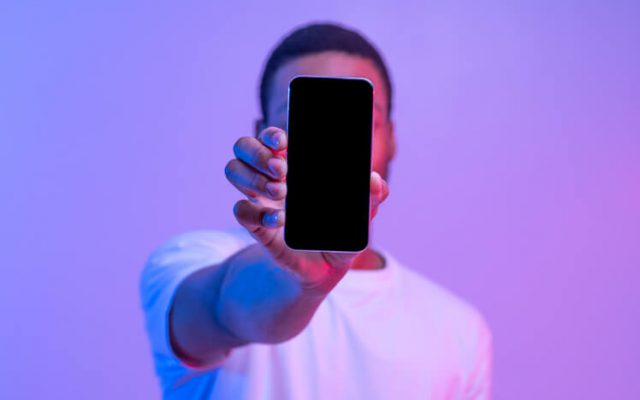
479	386
163	271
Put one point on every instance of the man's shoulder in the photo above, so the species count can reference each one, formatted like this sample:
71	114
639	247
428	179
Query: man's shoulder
448	308
221	240
188	251
457	326
230	235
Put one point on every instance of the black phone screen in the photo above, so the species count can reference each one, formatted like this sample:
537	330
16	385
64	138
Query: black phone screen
329	129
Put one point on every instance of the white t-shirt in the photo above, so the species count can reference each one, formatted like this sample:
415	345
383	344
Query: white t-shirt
388	334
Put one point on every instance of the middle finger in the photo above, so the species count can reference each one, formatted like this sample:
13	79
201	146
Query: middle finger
252	182
257	155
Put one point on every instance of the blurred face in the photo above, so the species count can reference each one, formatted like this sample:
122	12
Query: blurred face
334	63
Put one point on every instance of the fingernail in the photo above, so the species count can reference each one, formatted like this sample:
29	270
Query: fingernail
277	138
271	218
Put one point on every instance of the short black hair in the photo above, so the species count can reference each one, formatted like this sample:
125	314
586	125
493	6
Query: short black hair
315	38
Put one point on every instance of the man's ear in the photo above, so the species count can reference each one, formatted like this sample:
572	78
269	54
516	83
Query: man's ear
259	126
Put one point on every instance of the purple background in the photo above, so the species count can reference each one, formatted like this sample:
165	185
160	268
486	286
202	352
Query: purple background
517	182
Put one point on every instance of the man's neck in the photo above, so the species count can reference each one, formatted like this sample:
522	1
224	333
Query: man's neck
369	259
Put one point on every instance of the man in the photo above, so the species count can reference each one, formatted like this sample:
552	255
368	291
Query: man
235	314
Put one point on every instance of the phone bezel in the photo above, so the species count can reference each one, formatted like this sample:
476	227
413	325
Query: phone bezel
291	81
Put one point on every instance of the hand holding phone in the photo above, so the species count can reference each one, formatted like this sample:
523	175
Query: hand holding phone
252	173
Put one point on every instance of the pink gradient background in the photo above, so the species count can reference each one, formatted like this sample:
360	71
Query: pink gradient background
517	182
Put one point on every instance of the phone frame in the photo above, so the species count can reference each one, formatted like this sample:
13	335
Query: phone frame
373	111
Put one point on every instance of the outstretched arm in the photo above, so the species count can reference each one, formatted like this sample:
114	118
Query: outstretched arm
247	298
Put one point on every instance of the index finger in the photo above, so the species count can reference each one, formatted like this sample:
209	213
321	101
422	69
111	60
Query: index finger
275	139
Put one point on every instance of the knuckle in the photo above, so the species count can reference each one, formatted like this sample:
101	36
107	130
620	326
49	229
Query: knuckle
258	181
240	143
256	156
240	211
236	208
259	159
244	212
228	169
263	159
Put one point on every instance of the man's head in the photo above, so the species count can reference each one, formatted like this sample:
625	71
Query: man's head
329	49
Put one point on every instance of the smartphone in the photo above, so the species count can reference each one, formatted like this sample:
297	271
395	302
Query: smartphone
329	156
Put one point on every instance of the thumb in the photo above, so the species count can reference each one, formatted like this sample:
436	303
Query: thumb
379	189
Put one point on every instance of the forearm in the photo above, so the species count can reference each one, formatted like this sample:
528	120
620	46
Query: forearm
247	298
262	302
